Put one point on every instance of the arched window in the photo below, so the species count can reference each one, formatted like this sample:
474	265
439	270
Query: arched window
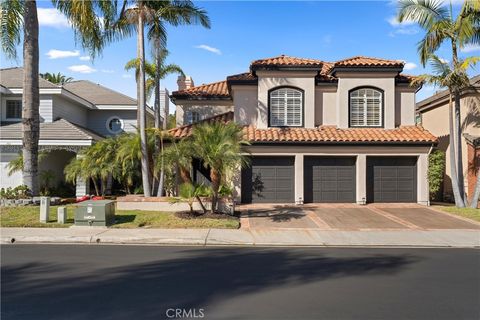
286	108
366	108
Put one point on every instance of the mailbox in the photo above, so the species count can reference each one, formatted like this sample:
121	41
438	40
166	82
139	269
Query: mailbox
95	213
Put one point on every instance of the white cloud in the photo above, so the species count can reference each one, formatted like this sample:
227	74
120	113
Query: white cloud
407	31
208	48
107	71
50	17
58	54
82	68
395	23
443	60
470	48
126	76
84	58
409	66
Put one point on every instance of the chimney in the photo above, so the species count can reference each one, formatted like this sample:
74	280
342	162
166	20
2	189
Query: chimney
184	82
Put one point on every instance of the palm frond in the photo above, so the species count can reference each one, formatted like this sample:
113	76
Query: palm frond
11	23
423	12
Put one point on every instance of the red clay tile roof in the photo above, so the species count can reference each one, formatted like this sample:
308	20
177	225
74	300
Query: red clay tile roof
284	60
186	130
211	90
323	134
246	76
333	134
407	78
360	61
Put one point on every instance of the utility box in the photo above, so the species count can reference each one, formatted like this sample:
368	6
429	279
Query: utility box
44	209
61	215
95	213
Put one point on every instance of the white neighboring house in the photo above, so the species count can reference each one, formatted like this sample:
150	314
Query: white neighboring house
72	117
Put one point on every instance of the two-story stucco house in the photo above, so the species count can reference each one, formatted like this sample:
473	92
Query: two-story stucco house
319	131
433	115
72	117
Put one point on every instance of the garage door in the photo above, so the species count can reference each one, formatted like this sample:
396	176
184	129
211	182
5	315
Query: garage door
268	180
392	179
329	179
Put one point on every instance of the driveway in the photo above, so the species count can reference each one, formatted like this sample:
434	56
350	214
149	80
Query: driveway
351	217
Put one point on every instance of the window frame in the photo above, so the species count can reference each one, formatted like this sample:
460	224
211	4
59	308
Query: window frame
303	107
6	109
189	118
122	127
382	107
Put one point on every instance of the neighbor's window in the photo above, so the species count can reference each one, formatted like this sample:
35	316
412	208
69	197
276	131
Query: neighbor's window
115	125
14	109
366	108
286	108
192	117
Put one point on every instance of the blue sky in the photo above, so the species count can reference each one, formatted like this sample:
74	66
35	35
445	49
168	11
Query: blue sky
242	32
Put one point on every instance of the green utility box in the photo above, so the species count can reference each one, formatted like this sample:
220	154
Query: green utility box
95	213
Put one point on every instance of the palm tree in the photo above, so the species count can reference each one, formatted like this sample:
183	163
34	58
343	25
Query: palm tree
95	23
154	14
15	15
56	78
221	148
441	26
16	164
454	79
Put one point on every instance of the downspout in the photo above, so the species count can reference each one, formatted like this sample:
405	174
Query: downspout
428	168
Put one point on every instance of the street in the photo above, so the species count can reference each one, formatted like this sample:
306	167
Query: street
155	282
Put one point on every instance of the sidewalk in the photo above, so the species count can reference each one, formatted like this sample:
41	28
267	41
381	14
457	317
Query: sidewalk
211	237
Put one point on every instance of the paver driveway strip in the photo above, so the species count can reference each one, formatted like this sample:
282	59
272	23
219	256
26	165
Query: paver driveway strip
430	219
280	217
355	219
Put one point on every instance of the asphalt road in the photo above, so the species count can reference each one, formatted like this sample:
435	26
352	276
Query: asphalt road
151	282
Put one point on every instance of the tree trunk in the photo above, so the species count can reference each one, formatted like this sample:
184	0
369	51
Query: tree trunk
453	170
30	101
459	153
141	103
95	184
158	140
215	177
476	193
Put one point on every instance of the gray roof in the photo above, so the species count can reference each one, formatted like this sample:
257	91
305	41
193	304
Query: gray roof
425	103
13	78
60	129
98	94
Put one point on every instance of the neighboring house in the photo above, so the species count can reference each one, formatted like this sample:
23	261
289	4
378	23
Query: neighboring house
72	117
433	115
319	131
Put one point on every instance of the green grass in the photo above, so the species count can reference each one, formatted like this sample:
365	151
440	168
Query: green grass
469	213
29	217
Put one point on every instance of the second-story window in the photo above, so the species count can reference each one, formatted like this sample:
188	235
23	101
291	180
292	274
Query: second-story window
192	117
286	108
366	106
14	109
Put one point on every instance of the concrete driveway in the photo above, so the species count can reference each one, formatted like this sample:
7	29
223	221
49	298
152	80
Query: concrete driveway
351	217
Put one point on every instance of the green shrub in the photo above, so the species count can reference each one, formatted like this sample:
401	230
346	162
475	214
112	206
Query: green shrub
436	171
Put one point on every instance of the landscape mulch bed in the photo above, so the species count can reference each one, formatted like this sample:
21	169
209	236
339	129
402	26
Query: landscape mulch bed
200	215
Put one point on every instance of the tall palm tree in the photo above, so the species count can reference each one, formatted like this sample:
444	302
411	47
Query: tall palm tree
155	14
221	148
441	26
57	78
15	16
156	72
454	79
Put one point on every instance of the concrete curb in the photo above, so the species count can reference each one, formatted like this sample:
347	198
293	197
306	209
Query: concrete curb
240	237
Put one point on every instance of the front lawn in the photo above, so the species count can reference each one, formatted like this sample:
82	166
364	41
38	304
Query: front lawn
29	217
469	213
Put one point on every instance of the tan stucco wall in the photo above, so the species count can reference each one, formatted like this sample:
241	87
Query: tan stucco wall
206	108
246	103
436	121
349	81
268	80
404	106
325	105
